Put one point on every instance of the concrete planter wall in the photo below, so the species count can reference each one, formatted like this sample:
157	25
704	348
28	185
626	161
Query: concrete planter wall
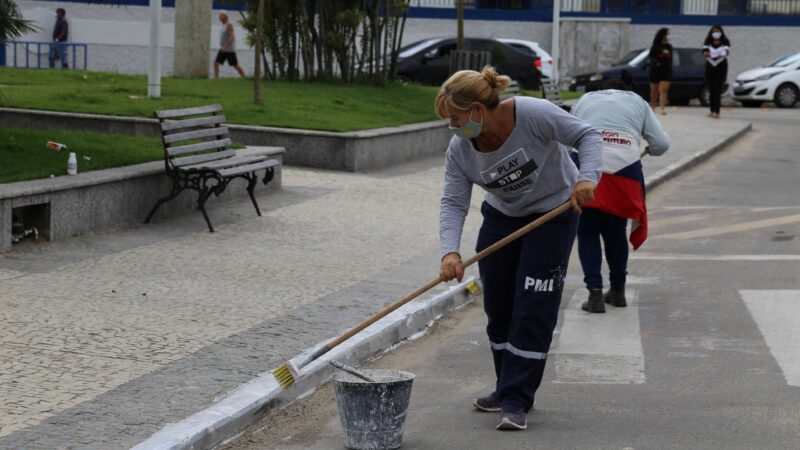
71	205
353	151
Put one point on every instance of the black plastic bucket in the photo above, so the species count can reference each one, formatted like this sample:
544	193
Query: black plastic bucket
373	415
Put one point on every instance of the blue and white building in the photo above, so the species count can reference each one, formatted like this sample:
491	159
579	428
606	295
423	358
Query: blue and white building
593	33
596	33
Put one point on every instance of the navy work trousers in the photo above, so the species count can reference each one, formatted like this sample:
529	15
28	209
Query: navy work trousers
522	284
595	223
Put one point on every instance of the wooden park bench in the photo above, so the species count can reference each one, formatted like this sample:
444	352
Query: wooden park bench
197	157
551	92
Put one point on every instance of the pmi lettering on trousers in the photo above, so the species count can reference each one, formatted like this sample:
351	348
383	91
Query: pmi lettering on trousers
523	283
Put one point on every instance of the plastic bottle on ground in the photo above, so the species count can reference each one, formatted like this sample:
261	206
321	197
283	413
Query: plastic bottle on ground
72	164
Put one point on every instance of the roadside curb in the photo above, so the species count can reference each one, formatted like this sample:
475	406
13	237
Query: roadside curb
258	397
675	169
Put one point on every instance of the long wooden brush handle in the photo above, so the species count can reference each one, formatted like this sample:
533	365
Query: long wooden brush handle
477	257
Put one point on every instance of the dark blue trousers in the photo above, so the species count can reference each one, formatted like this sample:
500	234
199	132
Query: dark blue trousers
595	223
522	283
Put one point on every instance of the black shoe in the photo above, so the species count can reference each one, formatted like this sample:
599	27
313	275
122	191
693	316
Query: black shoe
595	302
616	297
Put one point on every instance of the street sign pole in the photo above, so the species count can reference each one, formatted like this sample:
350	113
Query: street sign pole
555	50
154	74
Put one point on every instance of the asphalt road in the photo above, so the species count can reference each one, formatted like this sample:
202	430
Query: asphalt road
706	356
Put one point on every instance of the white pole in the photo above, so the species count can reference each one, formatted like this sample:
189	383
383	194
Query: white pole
154	74
555	50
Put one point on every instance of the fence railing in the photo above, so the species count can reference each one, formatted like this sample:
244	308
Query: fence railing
689	7
43	55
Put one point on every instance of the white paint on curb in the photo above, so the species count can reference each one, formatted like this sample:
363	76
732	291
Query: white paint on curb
257	397
261	395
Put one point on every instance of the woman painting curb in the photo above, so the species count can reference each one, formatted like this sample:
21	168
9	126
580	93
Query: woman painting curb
517	151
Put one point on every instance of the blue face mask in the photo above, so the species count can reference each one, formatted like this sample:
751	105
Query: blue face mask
469	130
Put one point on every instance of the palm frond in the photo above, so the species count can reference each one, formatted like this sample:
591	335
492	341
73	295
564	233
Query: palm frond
12	24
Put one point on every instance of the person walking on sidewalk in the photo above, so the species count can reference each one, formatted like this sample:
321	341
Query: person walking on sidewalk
660	69
623	119
716	49
227	47
516	150
58	50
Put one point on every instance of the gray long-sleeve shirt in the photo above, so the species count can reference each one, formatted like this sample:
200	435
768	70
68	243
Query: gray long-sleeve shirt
530	173
623	111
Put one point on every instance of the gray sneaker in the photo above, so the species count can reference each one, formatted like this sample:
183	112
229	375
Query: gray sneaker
490	403
512	421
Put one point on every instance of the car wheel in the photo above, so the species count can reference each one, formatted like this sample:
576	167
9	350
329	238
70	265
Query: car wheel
751	104
705	96
786	96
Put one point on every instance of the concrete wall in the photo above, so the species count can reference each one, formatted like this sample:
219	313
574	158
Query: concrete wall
355	151
100	199
587	45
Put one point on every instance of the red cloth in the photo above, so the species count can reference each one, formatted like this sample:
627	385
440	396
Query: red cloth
623	197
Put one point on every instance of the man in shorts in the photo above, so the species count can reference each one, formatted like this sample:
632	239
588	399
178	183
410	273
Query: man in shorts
227	46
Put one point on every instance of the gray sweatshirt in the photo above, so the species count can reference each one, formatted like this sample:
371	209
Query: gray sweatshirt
623	111
530	173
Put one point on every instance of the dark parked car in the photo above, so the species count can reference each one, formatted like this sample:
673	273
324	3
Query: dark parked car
428	61
688	76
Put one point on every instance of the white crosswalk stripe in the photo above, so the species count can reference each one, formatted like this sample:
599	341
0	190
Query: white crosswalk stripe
599	348
775	313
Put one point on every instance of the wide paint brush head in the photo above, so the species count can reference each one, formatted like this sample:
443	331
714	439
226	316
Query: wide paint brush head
286	375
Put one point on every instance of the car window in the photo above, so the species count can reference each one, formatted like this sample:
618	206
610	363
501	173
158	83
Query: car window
692	57
523	48
628	57
638	59
477	45
416	47
676	58
443	51
500	52
786	60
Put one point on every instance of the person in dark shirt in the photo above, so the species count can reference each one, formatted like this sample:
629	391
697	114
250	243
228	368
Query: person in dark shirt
60	35
660	69
716	49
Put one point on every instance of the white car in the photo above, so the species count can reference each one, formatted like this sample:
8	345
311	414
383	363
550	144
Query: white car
778	82
534	48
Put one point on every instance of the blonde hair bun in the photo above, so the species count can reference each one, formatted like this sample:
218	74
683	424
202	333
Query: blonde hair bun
495	80
466	87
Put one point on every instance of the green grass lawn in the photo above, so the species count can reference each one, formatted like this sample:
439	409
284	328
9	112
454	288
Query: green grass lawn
318	106
25	156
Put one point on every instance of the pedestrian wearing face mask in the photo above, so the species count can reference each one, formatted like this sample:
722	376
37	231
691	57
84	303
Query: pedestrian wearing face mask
716	49
517	151
660	69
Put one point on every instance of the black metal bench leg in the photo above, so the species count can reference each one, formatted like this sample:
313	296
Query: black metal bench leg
160	202
201	204
252	179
